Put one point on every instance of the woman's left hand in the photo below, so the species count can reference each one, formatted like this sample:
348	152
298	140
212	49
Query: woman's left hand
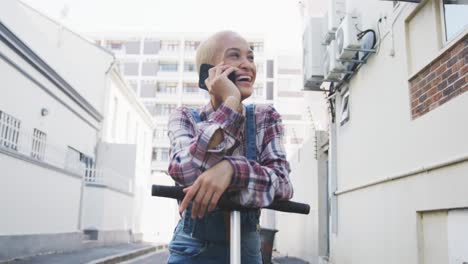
207	189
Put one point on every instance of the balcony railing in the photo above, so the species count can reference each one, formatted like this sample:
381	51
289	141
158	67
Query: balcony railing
33	144
109	178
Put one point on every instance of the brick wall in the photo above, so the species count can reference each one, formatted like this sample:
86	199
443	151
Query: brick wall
441	80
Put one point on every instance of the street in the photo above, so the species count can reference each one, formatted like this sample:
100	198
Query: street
153	258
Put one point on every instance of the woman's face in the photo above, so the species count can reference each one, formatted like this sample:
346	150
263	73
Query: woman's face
236	51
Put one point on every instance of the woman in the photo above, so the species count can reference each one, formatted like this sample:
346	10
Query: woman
213	152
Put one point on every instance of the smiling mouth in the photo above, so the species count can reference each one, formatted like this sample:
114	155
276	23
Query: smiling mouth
244	79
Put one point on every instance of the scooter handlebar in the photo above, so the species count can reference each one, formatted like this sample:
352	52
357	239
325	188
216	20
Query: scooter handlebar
176	192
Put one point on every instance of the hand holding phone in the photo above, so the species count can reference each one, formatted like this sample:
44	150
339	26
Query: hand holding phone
204	67
219	86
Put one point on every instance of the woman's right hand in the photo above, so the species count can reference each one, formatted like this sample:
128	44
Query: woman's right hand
219	84
207	189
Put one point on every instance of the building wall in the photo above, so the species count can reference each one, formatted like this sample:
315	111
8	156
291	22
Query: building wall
378	223
65	51
29	191
161	214
298	234
107	210
47	187
24	99
28	183
129	122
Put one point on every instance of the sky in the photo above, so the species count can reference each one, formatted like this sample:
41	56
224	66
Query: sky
278	20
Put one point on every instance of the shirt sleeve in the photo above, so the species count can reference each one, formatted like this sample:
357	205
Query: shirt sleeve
189	153
257	184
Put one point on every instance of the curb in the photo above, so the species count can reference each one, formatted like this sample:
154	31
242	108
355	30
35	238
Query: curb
128	255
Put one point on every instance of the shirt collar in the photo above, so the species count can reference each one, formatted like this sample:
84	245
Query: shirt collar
208	110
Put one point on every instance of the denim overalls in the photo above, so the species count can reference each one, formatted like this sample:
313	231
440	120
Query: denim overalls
203	241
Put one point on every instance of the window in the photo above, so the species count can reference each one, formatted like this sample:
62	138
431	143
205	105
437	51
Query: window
270	90
160	133
160	154
191	45
132	47
9	131
168	66
154	154
191	88
345	108
164	154
170	45
151	47
455	14
270	69
258	90
260	69
164	109
130	68
115	45
167	88
189	67
88	165
149	69
38	144
148	89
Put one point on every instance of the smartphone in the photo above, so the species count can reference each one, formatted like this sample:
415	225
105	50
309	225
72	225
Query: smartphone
204	67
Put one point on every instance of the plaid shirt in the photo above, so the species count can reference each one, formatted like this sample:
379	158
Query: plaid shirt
254	183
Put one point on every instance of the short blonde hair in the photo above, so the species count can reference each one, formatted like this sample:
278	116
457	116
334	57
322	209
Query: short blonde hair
209	48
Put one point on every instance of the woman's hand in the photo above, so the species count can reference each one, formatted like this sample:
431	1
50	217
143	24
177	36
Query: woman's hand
219	84
207	189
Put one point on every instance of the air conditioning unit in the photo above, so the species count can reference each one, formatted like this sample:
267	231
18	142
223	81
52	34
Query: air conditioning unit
313	52
347	44
336	12
333	68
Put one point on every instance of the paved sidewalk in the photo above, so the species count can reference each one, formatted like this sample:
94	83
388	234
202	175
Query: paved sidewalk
278	258
288	260
102	254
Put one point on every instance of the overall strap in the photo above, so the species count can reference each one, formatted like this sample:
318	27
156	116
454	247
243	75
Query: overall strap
195	114
250	133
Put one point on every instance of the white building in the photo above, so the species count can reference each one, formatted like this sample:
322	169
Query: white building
62	149
397	153
123	167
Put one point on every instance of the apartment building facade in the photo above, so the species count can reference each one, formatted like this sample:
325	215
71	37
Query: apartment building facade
397	159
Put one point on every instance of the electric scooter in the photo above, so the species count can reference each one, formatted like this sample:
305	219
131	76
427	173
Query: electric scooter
176	192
